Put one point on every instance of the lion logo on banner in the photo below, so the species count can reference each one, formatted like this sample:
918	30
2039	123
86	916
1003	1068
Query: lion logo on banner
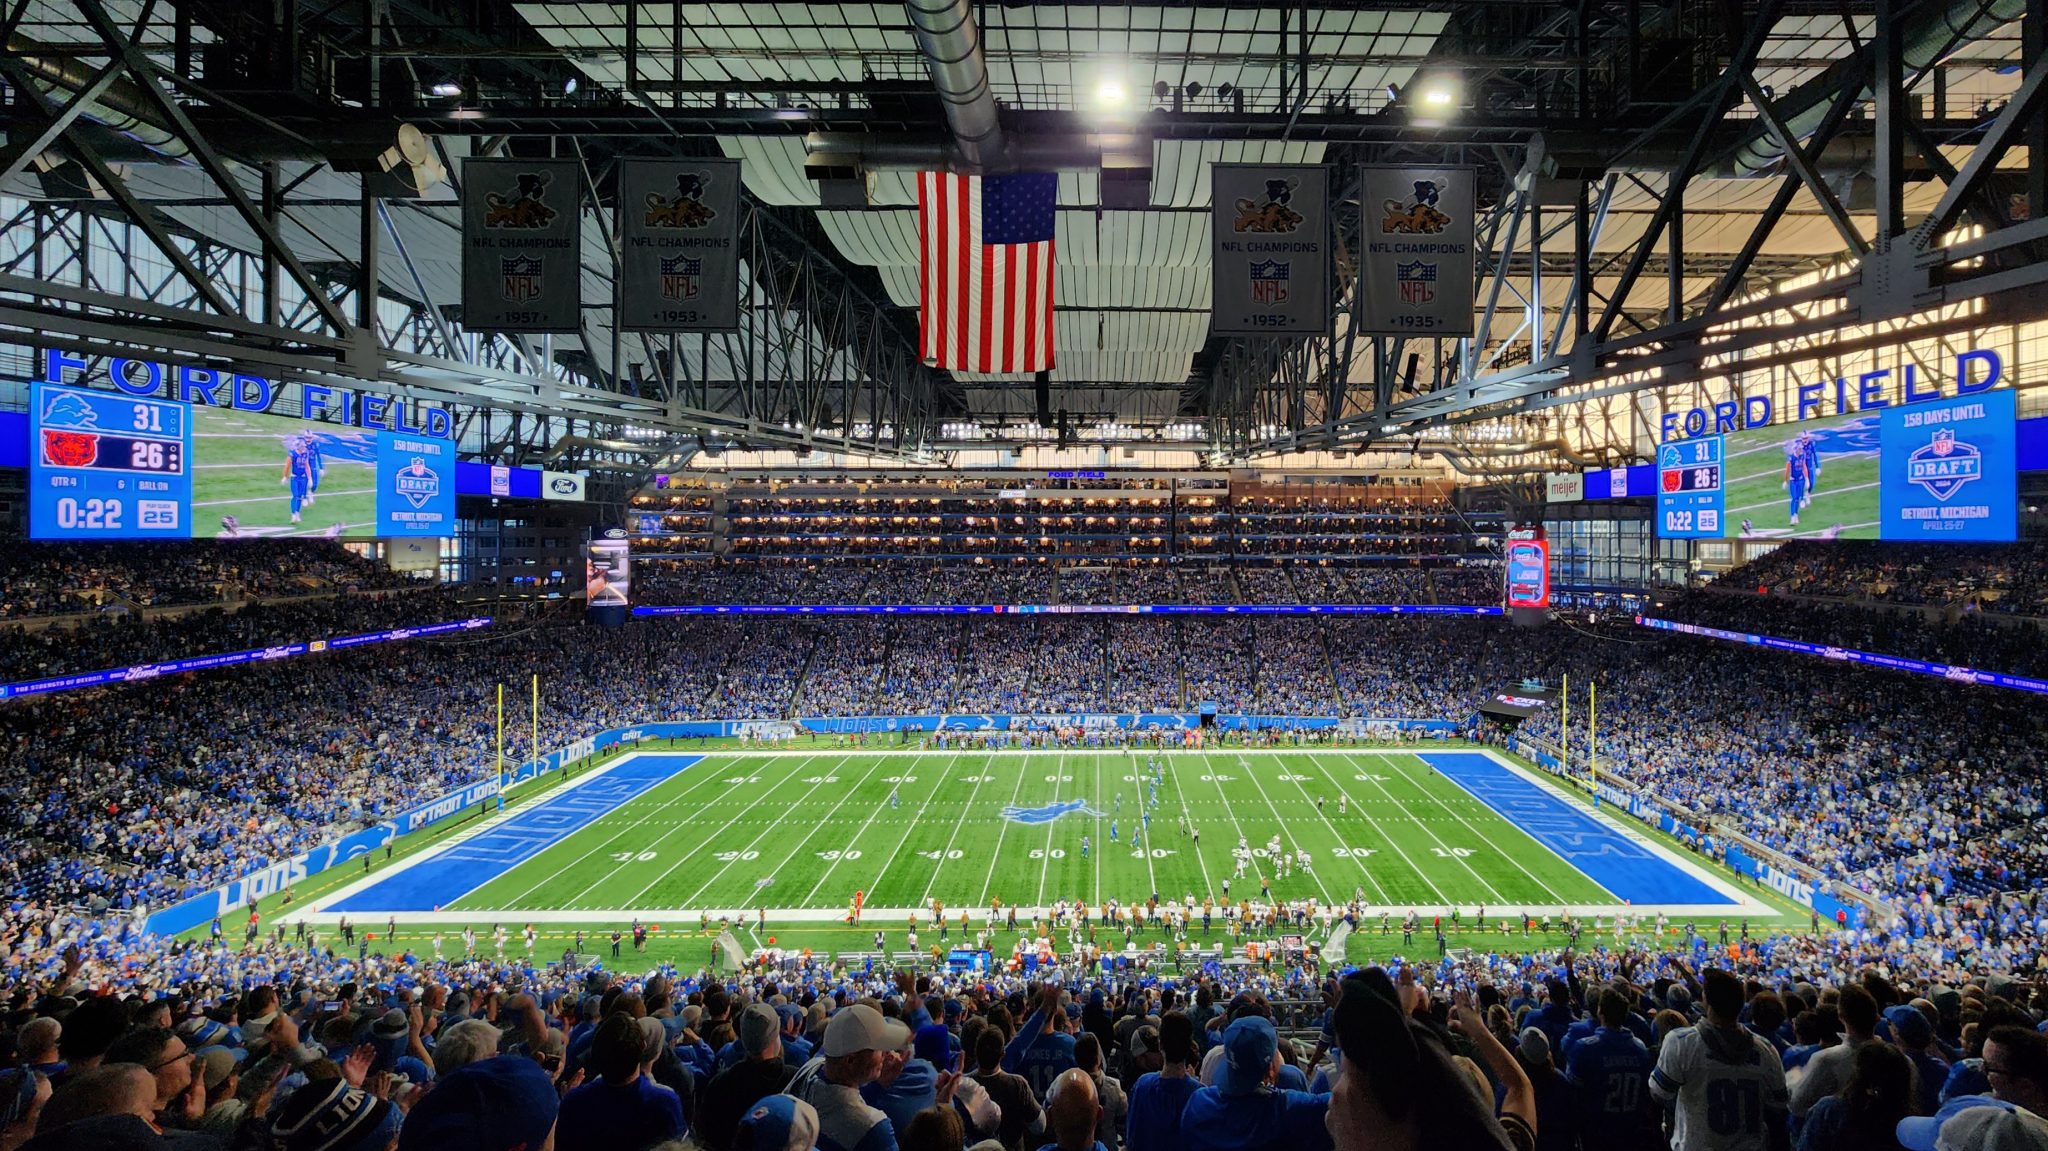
1271	215
1416	215
686	209
524	208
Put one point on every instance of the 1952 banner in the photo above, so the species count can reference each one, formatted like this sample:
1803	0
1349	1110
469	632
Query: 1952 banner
522	246
679	224
1416	270
1270	231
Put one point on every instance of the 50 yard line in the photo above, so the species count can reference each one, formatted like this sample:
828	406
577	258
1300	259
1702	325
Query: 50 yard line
1051	827
997	855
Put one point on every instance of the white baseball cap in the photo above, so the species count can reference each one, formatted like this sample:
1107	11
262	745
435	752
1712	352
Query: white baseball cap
862	1028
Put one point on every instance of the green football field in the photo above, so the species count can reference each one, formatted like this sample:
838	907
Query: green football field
239	466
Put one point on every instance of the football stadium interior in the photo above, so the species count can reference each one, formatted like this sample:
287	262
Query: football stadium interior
950	576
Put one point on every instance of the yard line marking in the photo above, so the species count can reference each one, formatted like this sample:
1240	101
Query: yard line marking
1099	850
1547	889
820	825
1138	786
929	795
1339	837
1051	826
1423	823
981	773
1352	760
1232	812
1167	768
1286	828
513	903
1004	831
743	810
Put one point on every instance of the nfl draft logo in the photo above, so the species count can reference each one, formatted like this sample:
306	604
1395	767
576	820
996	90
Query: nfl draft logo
418	483
681	277
1944	465
521	277
1417	280
1269	281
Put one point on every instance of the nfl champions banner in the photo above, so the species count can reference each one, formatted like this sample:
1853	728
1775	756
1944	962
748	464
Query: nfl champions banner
522	246
1270	239
1415	274
679	226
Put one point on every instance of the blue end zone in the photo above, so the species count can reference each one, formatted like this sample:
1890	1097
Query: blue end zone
1625	868
447	877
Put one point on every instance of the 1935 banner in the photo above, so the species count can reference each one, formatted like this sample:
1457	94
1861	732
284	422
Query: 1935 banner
1416	270
1270	235
679	226
522	246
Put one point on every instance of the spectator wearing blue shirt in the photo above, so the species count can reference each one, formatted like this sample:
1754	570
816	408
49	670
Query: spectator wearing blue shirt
1610	1071
1153	1121
623	1109
1913	1034
1243	1111
905	1086
1042	1048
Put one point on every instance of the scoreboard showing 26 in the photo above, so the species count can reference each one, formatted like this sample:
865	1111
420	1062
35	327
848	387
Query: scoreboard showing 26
1689	489
105	466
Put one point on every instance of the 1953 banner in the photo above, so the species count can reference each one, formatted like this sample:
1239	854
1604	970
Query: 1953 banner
679	226
1416	270
1270	231
522	246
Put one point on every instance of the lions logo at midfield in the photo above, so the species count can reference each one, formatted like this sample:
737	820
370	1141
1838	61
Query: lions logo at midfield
686	209
524	208
1273	215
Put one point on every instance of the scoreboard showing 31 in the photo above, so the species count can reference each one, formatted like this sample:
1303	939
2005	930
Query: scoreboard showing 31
108	466
1689	490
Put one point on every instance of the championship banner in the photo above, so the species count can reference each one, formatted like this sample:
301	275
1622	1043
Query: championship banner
1416	270
679	224
522	246
1270	238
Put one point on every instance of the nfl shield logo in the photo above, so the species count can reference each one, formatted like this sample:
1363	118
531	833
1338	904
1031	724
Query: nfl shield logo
681	277
522	277
1944	465
1269	281
1417	280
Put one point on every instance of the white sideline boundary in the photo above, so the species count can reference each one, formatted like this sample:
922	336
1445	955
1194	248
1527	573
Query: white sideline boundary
892	920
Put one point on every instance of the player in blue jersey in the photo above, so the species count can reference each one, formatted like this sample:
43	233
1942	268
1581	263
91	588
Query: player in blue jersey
1084	847
1809	445
316	462
1796	478
1610	1071
298	473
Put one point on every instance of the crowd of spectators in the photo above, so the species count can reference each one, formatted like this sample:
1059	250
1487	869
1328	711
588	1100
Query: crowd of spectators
62	578
2010	579
1973	640
1836	1042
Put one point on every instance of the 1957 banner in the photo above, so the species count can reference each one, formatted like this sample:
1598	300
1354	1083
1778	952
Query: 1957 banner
1270	234
522	246
1416	270
679	226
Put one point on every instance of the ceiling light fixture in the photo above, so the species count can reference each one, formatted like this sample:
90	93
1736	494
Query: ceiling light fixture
447	88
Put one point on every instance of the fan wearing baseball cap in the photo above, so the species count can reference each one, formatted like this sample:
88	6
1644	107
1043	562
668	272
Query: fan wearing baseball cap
1244	1111
1975	1123
855	1039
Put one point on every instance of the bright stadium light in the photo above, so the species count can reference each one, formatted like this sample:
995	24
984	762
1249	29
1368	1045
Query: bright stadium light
1111	96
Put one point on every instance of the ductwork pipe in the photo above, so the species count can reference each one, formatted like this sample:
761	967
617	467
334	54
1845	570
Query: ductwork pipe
122	107
1925	41
951	44
1066	153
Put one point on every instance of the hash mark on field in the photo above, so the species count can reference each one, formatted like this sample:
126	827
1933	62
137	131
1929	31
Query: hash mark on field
980	774
816	827
1393	842
1339	836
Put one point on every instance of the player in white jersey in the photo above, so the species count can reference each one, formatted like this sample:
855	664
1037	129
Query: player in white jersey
437	945
1727	1082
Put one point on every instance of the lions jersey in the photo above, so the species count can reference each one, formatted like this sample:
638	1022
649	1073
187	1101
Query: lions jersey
1729	1087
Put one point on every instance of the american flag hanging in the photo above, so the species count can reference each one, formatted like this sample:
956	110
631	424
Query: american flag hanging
986	299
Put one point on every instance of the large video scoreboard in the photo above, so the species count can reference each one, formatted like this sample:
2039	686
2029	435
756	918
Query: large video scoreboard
1942	470
105	465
